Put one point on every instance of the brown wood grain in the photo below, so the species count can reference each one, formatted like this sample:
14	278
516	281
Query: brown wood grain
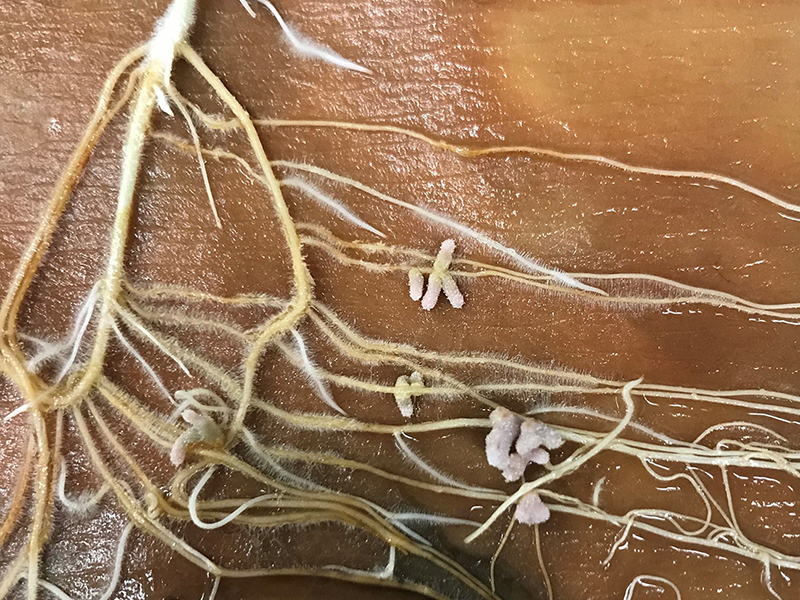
710	85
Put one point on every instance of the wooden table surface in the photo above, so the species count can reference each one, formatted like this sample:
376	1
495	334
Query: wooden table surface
708	85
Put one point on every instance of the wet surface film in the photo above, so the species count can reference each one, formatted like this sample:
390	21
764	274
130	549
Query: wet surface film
228	390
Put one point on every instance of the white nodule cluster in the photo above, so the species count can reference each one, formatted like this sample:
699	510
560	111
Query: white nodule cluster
203	430
405	387
531	510
439	280
529	439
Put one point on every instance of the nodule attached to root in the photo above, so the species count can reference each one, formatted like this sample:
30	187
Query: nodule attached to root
407	386
439	280
530	438
203	430
531	510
